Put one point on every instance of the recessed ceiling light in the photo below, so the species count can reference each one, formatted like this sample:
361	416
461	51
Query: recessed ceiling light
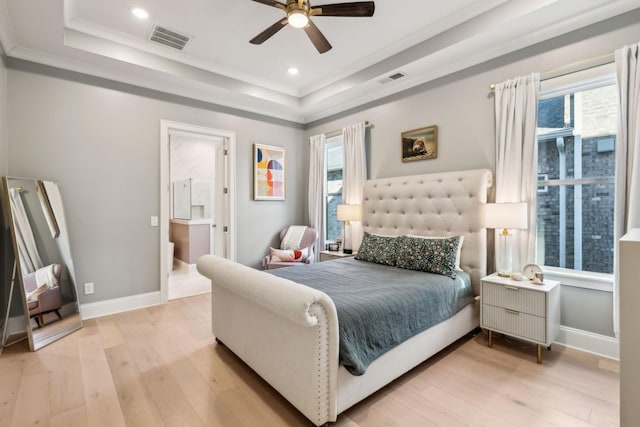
139	13
293	71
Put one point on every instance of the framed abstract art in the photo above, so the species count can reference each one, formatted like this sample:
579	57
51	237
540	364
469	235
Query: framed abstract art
268	172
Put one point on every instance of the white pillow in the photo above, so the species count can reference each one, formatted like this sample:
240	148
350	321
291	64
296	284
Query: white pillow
289	255
436	237
33	295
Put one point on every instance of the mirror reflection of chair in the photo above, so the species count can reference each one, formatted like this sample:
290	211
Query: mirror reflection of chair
293	238
43	267
43	292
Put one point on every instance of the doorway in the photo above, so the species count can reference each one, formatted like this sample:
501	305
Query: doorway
197	203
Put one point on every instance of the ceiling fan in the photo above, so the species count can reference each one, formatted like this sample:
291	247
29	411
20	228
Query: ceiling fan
299	11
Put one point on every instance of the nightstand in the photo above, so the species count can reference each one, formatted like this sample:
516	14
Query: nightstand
521	309
329	255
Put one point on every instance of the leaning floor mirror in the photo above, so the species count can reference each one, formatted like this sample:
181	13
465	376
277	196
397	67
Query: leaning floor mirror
43	271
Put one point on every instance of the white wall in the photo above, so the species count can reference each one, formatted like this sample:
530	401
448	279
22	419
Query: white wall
461	105
101	142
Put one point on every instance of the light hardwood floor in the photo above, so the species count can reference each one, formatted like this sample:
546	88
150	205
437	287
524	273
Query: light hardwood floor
186	283
161	366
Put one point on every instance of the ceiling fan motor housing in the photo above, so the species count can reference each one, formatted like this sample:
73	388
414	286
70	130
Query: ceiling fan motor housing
297	13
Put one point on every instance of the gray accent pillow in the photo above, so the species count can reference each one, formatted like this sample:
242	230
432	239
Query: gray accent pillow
378	249
430	255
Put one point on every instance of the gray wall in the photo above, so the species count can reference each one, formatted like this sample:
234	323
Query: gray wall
6	255
461	105
101	142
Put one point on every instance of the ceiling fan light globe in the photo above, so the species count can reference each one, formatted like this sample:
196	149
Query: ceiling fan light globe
298	19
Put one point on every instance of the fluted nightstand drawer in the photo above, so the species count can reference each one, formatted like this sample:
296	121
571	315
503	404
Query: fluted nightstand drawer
514	323
521	309
514	298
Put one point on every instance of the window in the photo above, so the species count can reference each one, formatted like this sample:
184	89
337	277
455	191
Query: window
334	159
576	171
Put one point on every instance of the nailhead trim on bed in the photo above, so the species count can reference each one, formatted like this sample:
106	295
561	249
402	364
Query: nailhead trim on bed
322	372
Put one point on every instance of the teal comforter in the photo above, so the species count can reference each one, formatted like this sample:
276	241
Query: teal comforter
380	306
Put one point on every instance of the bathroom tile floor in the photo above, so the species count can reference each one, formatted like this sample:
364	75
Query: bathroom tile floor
186	282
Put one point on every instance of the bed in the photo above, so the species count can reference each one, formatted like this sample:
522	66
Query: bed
288	333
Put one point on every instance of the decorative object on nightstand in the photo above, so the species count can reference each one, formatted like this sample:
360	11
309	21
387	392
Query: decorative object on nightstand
506	216
348	213
329	255
530	270
521	309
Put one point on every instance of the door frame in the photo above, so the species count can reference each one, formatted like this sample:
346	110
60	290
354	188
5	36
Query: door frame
166	126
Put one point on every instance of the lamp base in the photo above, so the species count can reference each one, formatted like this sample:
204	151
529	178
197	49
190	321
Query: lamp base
505	261
347	251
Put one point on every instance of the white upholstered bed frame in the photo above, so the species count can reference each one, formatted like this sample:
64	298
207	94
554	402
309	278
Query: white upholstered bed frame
288	333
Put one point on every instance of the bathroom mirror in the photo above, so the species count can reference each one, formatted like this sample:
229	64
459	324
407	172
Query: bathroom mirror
43	273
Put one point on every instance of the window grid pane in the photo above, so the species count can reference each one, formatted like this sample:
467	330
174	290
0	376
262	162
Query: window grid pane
576	185
333	188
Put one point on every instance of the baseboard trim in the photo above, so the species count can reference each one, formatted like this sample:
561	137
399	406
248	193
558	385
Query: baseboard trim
18	325
600	345
119	305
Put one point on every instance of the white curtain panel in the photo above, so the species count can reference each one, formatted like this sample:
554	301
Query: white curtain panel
354	174
27	250
516	106
316	186
627	198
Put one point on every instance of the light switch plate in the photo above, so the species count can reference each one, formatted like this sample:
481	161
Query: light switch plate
154	221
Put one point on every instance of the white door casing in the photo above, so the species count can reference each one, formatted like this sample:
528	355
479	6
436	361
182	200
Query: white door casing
225	215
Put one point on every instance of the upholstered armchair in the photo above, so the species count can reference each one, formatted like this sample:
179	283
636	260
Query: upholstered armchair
49	300
306	247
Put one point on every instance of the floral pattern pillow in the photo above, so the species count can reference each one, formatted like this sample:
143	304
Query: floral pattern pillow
430	255
378	249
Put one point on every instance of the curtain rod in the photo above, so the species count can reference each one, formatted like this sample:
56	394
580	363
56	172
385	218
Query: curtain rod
585	64
339	131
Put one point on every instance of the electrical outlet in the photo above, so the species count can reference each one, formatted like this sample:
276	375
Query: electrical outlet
88	288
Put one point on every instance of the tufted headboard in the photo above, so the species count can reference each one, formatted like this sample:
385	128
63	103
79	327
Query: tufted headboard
437	204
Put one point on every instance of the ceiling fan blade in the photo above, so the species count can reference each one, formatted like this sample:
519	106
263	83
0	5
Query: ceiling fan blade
264	36
271	3
363	8
317	38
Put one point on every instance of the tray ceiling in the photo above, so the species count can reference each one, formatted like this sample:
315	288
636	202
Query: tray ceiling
421	39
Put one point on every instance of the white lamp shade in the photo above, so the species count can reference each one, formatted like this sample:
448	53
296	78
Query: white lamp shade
505	215
349	213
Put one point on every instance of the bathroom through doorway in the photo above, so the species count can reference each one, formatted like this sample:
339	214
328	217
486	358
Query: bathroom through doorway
198	203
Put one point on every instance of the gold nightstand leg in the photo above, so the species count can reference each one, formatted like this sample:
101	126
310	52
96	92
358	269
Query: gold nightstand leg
539	351
490	338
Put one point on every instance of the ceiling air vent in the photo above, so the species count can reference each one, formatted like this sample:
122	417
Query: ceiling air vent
167	37
392	77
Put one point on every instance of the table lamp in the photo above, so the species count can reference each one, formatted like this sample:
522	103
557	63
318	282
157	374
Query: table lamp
348	213
506	216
